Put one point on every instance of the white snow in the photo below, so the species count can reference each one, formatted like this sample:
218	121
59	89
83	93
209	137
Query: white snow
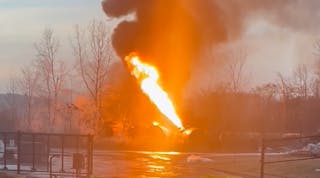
195	158
312	148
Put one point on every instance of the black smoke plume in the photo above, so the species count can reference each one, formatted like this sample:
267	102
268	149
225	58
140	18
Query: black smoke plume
171	33
167	33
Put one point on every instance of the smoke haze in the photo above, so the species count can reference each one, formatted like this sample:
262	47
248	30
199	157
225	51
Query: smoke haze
177	34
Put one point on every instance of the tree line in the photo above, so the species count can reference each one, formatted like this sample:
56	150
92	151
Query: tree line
50	86
93	94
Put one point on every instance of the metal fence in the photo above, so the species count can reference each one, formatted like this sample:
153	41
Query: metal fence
289	150
47	153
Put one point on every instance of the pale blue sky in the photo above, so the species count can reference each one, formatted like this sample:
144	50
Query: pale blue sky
22	22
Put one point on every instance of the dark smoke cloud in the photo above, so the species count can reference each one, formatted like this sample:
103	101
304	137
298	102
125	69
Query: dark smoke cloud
158	18
168	33
210	20
171	33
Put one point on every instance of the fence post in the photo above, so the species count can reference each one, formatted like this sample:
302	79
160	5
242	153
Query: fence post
62	153
5	151
33	152
90	155
18	151
77	143
48	151
262	158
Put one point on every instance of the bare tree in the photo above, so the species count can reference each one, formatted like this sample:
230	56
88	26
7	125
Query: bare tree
316	82
93	52
52	72
267	94
29	82
294	93
301	79
235	68
302	84
286	90
267	91
286	94
11	99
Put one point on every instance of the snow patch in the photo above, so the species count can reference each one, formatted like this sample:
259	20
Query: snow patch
312	148
195	158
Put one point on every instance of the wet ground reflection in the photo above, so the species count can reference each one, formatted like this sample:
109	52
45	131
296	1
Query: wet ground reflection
149	164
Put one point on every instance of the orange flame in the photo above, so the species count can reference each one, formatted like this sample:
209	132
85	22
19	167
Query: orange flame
148	77
155	123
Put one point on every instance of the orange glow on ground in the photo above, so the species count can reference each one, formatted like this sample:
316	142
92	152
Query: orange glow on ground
148	76
160	157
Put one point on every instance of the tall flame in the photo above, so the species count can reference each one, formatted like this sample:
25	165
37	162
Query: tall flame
147	76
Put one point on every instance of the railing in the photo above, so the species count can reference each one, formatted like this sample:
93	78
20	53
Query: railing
292	148
31	152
